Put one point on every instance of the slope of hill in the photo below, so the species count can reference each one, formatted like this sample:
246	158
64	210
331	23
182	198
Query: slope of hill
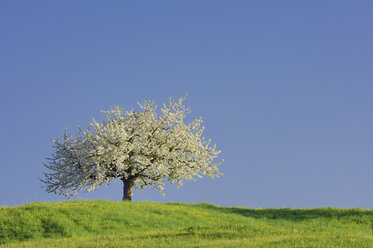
148	224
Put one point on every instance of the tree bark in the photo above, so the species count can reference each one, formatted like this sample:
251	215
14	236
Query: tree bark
127	188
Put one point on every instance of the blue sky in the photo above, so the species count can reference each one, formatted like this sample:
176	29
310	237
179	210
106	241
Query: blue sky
284	88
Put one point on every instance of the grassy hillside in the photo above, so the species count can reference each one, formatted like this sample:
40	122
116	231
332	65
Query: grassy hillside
145	224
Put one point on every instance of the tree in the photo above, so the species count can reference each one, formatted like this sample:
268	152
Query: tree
141	148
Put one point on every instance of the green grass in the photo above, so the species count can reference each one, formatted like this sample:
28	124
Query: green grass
147	224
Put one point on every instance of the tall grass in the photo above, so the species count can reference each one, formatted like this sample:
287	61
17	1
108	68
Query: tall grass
148	224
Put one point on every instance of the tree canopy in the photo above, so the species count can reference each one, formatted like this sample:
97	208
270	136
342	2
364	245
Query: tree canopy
141	148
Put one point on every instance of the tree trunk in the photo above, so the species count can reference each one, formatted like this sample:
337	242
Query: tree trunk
127	188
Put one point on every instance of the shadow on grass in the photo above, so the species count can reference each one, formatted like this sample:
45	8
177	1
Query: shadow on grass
356	215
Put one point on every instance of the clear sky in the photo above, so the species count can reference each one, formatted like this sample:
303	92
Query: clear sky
284	88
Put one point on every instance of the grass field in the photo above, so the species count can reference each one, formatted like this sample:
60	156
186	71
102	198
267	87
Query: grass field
148	224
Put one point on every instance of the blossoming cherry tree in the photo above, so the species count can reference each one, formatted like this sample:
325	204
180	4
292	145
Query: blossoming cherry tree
141	148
